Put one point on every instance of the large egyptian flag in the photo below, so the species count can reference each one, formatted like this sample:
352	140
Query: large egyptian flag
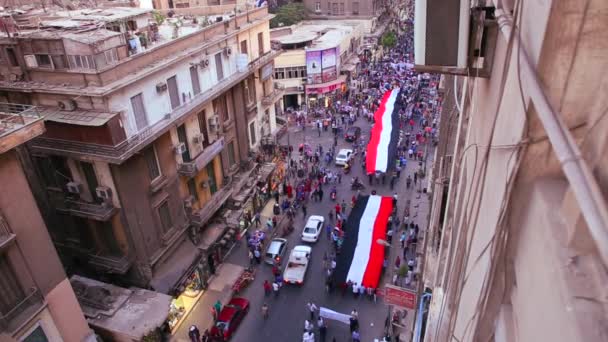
361	256
384	137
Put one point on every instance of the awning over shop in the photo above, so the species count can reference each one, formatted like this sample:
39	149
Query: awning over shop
167	274
326	87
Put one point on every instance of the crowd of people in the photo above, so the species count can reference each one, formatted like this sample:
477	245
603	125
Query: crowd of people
310	177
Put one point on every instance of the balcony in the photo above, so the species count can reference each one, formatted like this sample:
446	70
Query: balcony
95	211
199	218
271	98
22	311
125	150
111	264
6	235
18	124
191	168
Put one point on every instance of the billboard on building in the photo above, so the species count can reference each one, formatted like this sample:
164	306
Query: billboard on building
322	65
313	67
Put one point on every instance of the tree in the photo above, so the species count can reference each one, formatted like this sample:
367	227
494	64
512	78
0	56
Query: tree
289	14
389	40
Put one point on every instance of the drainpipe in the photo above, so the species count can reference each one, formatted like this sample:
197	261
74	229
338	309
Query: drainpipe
583	184
418	327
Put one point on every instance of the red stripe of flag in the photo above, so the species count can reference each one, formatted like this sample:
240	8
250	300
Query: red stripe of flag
372	146
376	255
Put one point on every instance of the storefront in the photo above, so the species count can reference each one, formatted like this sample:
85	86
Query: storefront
325	94
188	293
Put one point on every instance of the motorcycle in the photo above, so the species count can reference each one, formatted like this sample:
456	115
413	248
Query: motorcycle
346	168
355	184
333	194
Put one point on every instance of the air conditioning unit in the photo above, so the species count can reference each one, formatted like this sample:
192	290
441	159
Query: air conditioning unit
198	139
67	105
301	88
74	187
161	87
188	202
213	121
450	37
103	192
180	148
15	77
227	51
204	63
30	61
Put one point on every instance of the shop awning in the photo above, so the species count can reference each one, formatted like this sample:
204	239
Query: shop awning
326	87
168	274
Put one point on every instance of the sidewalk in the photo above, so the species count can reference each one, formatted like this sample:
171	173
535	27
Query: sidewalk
220	288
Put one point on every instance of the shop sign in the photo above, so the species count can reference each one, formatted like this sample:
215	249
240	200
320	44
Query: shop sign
323	90
399	296
266	71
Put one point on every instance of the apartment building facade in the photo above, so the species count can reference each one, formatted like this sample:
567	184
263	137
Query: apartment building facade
146	129
330	9
37	302
516	247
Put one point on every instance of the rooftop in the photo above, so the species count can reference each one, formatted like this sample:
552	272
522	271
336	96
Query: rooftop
323	34
130	312
104	14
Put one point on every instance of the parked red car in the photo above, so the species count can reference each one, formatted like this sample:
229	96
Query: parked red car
229	319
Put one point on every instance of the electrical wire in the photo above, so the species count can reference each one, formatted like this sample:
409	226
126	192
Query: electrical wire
480	184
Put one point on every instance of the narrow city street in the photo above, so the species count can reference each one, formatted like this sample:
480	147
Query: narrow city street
288	311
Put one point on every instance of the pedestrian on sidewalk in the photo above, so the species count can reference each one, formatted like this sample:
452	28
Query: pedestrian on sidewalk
323	332
194	334
402	239
415	178
275	288
307	325
218	306
355	290
256	220
206	336
308	336
312	308
251	258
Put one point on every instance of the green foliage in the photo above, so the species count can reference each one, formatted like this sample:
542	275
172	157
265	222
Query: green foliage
389	39
158	17
289	14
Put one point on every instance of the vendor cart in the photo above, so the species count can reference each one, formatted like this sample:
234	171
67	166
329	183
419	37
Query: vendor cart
243	280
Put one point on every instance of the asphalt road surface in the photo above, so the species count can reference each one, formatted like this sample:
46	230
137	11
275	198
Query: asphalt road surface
288	311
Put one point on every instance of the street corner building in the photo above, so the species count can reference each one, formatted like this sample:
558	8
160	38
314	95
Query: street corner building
384	139
362	255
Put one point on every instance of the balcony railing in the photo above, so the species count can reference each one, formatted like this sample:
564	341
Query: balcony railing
199	218
6	235
191	168
22	311
96	211
123	151
111	264
271	98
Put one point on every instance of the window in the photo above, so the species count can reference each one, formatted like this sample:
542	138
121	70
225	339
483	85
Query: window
44	61
183	138
356	7
244	46
231	154
173	92
91	178
219	67
329	7
261	43
11	292
341	8
108	244
318	7
59	62
196	85
81	62
152	163
211	180
201	116
248	92
139	111
12	57
164	213
36	335
192	188
252	132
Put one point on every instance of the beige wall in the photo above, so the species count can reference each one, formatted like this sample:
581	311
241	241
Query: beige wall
65	311
517	252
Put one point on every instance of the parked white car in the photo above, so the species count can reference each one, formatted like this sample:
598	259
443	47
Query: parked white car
344	156
297	264
313	228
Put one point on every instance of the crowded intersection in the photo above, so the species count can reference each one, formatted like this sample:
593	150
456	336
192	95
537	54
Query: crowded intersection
356	161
